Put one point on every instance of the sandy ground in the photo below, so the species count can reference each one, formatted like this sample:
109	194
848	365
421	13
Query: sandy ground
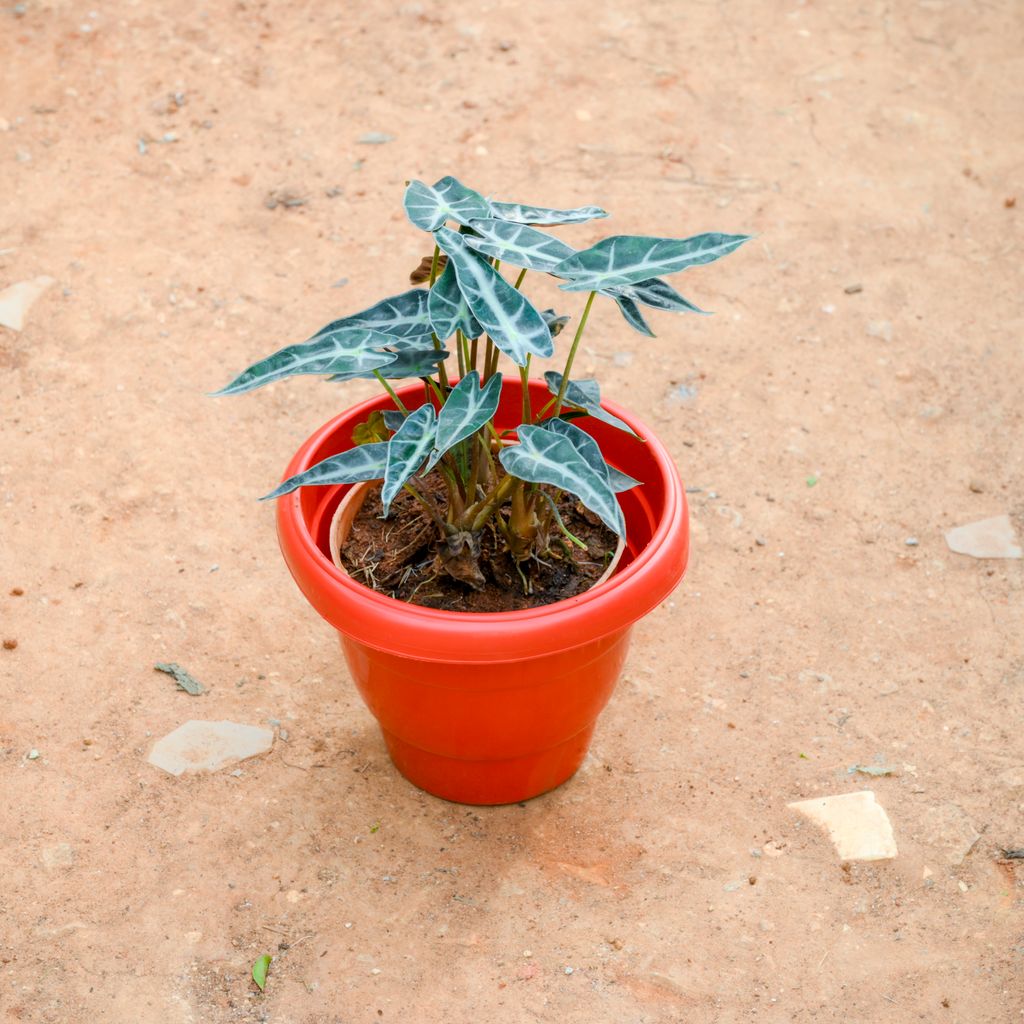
864	143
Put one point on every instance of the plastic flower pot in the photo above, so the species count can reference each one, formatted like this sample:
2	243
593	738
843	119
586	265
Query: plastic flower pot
491	708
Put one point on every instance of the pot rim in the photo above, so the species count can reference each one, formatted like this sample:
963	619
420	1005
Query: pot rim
434	635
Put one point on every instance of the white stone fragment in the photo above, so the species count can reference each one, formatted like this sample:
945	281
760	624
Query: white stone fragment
987	538
16	300
209	746
857	825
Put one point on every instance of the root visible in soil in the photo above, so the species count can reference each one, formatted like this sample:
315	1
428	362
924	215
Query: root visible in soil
401	556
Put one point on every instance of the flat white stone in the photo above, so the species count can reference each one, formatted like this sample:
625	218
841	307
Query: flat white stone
857	825
987	538
16	300
209	746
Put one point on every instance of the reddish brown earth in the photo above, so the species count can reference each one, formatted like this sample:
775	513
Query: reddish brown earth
868	340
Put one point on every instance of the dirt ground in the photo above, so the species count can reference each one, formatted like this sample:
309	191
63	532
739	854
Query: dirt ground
859	386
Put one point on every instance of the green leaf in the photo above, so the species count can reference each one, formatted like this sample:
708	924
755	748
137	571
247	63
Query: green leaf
347	350
631	311
409	362
520	213
428	207
658	294
464	412
365	462
519	245
399	316
448	309
544	456
585	395
628	259
556	324
393	419
508	317
588	448
259	970
406	451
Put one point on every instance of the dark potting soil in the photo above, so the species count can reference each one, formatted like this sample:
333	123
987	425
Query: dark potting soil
398	556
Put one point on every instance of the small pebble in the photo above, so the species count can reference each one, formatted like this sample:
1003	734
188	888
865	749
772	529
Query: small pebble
10	645
760	541
911	542
962	886
977	487
33	754
375	138
853	289
527	953
568	970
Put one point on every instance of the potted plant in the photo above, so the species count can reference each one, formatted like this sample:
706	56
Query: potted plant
482	630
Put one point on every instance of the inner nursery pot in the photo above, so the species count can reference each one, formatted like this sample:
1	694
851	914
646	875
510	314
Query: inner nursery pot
491	708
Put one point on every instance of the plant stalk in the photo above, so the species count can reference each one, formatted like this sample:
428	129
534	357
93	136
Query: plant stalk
572	355
399	405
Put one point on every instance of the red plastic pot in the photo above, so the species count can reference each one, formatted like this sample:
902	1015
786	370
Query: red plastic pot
491	708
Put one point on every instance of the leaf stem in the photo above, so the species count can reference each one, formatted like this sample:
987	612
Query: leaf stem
519	279
433	265
399	405
572	354
524	376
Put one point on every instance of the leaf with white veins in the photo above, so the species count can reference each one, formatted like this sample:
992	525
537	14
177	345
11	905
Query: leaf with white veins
521	213
629	259
409	362
517	244
657	294
588	448
509	318
464	412
429	206
631	311
546	457
365	462
585	395
347	350
400	316
448	309
406	451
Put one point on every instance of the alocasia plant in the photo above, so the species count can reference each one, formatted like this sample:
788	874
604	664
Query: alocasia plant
469	306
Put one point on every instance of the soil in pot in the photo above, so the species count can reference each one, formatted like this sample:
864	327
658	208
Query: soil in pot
398	556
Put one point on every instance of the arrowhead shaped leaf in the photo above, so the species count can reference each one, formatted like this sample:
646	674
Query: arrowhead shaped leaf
546	457
628	259
448	309
517	244
347	350
630	309
520	213
658	294
407	450
508	317
585	395
364	462
588	448
400	316
428	207
464	412
408	362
